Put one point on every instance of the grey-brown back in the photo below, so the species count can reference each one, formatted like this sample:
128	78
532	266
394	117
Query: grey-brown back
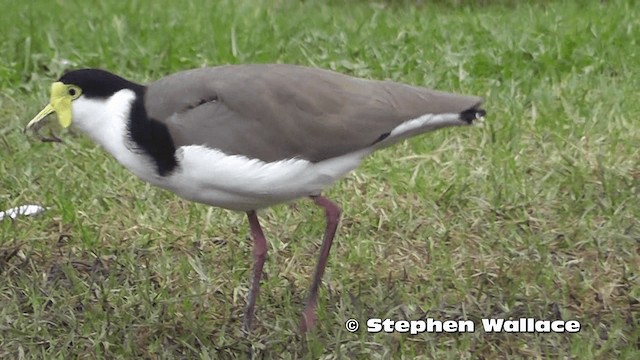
273	112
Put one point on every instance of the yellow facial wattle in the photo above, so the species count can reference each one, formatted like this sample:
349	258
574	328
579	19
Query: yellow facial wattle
60	103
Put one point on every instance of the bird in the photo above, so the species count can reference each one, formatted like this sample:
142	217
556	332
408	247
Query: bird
245	137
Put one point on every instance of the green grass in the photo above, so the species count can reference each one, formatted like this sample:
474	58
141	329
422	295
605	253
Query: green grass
534	215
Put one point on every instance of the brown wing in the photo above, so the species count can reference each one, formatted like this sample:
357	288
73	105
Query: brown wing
273	112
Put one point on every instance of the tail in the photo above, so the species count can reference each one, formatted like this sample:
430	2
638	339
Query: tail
473	115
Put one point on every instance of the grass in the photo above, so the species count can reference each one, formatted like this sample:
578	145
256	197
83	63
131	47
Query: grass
535	215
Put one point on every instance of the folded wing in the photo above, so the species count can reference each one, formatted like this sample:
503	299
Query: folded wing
274	112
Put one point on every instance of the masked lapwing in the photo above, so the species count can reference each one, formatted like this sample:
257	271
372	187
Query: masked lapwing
245	137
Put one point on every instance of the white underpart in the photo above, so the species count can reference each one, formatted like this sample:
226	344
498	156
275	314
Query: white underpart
238	183
233	182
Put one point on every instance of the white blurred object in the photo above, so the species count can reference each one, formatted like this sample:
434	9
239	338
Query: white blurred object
23	210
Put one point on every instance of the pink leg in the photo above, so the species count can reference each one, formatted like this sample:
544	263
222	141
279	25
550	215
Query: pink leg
259	256
332	212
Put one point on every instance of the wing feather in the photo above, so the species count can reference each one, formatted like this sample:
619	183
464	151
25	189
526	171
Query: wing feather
274	112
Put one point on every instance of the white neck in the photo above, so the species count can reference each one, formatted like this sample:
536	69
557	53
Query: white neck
105	121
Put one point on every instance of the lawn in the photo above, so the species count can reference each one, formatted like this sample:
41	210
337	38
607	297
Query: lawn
534	215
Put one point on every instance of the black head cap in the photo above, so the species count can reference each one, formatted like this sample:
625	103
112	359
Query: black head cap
96	83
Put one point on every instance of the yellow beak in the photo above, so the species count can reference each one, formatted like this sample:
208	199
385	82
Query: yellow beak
60	103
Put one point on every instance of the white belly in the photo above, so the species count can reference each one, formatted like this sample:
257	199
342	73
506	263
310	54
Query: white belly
238	183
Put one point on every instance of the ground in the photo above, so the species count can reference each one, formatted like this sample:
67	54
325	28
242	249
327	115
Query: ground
534	215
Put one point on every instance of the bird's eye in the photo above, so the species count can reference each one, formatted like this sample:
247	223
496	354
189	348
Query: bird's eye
74	92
